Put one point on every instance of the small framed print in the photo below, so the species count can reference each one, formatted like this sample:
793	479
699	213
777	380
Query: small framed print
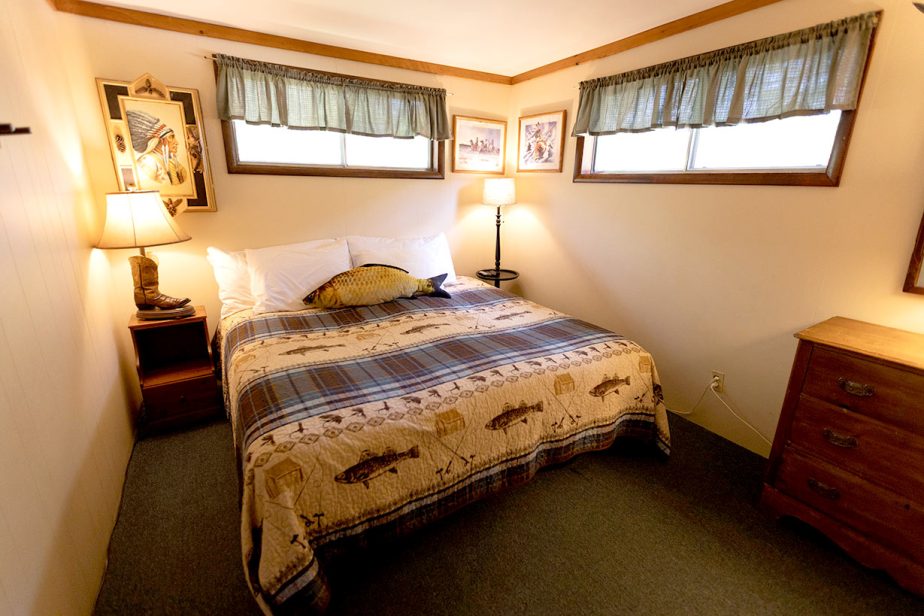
479	145
540	142
157	143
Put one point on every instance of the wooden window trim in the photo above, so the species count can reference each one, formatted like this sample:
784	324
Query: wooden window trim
830	176
235	166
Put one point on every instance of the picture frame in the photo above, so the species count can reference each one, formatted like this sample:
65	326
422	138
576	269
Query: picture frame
540	142
479	145
157	141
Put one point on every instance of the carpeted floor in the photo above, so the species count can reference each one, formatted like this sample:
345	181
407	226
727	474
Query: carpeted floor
610	533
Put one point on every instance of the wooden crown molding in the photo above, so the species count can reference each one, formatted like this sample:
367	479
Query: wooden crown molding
228	33
690	22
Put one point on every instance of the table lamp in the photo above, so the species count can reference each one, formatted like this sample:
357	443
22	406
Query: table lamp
499	192
139	219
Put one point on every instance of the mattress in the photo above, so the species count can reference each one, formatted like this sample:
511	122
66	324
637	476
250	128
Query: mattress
382	418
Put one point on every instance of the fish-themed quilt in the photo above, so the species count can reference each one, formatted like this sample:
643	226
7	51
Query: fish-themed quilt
375	420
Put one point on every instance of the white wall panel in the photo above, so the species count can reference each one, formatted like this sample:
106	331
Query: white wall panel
65	432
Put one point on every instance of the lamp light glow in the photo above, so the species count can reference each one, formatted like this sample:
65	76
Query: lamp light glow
499	191
138	219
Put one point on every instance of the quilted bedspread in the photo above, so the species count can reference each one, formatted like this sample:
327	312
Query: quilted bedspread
389	416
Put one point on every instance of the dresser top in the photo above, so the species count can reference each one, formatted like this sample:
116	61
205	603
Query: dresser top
885	343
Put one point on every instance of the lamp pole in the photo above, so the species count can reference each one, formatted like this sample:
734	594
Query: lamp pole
497	243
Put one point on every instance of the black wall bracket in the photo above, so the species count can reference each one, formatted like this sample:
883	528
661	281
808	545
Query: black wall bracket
8	129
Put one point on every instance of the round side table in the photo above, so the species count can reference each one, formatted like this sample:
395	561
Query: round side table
497	275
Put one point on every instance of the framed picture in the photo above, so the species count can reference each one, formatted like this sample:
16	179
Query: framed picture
157	143
479	145
540	142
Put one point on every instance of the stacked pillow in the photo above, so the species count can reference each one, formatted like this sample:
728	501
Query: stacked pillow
230	270
275	279
422	257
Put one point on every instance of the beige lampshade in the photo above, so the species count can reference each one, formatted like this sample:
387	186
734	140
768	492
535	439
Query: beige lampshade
499	191
138	219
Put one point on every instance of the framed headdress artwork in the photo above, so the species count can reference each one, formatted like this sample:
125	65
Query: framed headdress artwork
157	142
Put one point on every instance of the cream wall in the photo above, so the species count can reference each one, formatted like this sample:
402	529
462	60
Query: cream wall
706	277
65	432
720	277
256	210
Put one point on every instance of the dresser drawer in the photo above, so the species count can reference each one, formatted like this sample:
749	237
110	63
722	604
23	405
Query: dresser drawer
878	513
181	399
879	452
883	392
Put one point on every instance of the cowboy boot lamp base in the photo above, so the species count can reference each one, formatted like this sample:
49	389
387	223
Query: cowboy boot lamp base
152	304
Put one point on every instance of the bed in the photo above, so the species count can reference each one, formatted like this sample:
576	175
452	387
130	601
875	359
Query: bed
379	419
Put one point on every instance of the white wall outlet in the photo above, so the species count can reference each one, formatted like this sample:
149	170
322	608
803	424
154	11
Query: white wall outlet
719	379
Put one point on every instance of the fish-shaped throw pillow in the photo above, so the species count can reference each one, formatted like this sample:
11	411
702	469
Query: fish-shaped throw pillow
373	284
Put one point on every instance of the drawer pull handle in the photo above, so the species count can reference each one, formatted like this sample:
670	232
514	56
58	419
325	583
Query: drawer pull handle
855	389
840	440
829	492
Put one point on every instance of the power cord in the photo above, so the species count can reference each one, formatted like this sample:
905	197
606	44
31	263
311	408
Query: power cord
712	386
693	410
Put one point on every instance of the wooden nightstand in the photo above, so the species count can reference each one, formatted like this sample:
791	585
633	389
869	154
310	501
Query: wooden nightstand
848	457
174	362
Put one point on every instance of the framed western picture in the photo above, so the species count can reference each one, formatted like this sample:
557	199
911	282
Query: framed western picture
479	145
540	142
157	142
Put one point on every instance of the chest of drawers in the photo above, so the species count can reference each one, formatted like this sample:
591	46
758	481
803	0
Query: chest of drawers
848	455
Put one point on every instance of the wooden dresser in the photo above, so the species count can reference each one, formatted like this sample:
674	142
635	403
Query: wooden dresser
848	455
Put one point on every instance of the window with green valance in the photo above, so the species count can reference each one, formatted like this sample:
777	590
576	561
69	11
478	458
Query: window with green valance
805	72
778	110
278	95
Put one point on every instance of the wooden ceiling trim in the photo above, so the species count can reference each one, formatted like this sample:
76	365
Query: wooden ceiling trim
240	35
228	33
690	22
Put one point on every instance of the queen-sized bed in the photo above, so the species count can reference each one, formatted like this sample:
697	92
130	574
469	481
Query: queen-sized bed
388	416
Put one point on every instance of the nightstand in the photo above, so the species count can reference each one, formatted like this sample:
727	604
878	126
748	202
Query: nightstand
175	369
497	275
849	448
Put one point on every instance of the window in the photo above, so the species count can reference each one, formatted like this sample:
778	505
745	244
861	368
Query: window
796	150
778	110
257	148
286	120
797	143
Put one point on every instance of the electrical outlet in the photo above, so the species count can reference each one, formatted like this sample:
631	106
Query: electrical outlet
720	376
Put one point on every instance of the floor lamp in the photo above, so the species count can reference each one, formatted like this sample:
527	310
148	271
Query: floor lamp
498	192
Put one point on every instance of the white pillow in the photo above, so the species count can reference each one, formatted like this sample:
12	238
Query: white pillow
280	276
233	278
422	257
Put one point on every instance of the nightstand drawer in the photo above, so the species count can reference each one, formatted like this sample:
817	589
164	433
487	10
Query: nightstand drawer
881	453
191	398
885	393
880	514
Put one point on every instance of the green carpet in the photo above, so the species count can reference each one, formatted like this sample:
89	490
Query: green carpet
616	532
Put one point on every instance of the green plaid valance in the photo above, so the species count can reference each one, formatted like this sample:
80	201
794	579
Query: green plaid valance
805	72
264	93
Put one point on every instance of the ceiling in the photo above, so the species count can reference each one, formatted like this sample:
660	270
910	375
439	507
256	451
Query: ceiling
506	37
